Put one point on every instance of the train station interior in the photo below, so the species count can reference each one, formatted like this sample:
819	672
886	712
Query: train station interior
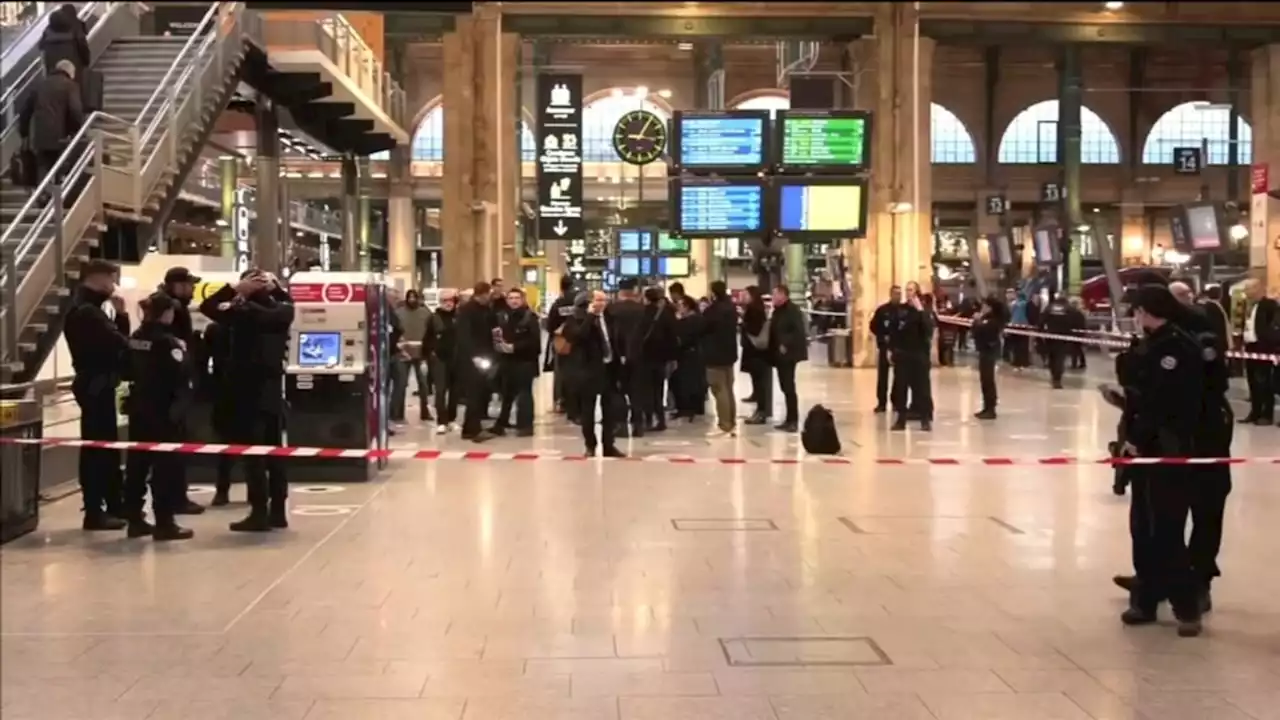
358	151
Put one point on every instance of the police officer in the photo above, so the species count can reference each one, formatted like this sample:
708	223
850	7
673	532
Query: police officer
257	313
99	345
911	337
988	330
476	361
1057	320
519	349
221	384
180	285
1163	402
159	398
560	311
882	323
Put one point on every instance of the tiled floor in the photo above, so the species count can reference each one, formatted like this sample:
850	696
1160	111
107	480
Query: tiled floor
549	591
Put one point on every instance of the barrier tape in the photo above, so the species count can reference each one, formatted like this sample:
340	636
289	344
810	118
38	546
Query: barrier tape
1029	331
665	458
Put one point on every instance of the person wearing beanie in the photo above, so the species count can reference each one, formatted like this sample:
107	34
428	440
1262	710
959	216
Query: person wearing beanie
50	115
1162	410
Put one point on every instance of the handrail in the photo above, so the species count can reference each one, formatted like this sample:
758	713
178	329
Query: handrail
190	68
14	88
164	87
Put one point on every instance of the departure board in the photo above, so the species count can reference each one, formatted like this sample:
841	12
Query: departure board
730	140
721	209
822	208
837	140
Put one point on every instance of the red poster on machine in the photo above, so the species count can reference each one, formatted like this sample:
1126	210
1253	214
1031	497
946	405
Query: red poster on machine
327	292
1261	179
306	292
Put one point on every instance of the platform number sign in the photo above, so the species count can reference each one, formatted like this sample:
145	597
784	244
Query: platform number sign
1052	193
1187	161
997	205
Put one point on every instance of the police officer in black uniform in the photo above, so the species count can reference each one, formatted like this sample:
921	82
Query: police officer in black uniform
911	337
882	323
561	309
99	346
160	396
519	351
988	331
1163	406
257	313
1057	320
179	284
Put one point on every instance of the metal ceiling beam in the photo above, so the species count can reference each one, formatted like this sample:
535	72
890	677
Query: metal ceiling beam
686	28
1027	33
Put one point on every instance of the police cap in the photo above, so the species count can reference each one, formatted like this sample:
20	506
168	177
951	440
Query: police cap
1157	301
155	305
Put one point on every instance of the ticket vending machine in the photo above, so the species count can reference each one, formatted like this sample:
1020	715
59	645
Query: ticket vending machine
335	379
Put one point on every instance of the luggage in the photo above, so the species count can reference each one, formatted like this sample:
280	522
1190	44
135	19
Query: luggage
22	169
819	436
92	90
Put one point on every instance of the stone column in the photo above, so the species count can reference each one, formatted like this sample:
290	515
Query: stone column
350	205
401	233
899	245
458	262
1070	106
266	241
708	94
1264	214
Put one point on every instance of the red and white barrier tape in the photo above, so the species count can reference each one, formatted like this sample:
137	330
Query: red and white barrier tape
665	458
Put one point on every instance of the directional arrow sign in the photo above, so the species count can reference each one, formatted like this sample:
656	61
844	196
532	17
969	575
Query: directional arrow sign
560	228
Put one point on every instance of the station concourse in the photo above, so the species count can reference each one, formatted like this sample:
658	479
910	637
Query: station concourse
960	574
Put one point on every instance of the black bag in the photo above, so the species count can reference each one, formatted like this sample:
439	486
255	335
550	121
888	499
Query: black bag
22	168
819	435
92	91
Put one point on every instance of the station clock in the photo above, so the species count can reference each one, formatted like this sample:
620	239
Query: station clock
640	137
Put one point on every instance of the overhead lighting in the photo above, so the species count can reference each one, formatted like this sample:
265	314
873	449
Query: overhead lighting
685	45
642	92
1113	5
664	93
616	92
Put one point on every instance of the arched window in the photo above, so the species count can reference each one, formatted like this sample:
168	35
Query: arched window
952	142
950	139
599	117
1189	125
428	141
772	103
1032	138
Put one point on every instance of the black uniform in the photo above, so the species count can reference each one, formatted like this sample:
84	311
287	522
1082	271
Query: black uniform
442	346
597	361
476	362
987	331
658	351
882	326
1056	319
217	343
259	337
628	324
98	347
1163	407
160	396
911	336
183	329
519	368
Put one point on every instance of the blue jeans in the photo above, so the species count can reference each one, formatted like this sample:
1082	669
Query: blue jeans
400	387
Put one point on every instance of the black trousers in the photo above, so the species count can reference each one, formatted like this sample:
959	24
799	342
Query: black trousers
164	470
656	408
761	373
446	387
517	390
265	482
1021	345
631	392
946	352
883	378
1161	501
1262	391
589	393
688	386
1057	360
477	388
911	379
987	360
223	420
1210	488
787	384
101	482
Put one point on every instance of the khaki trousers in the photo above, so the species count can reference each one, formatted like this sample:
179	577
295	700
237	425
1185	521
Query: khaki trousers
720	380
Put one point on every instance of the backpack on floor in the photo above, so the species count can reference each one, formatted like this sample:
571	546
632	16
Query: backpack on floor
819	435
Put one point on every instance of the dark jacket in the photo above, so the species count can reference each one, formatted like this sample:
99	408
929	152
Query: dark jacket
788	340
258	329
474	334
882	324
689	332
754	317
986	331
720	334
160	372
626	319
442	335
1056	318
584	331
658	345
65	39
52	114
520	330
561	310
1266	324
98	345
911	329
1164	393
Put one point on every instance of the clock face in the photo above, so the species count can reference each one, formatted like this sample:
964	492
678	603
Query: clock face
640	137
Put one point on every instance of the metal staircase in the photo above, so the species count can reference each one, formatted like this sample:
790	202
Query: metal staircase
162	97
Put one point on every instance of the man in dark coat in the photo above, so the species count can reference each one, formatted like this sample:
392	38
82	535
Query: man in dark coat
476	359
788	347
51	115
179	284
65	38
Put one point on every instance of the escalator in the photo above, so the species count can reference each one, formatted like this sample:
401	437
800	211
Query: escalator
162	97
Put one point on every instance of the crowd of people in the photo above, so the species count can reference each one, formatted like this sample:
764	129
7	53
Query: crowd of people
648	357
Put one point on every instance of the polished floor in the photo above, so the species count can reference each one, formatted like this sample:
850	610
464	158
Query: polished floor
646	591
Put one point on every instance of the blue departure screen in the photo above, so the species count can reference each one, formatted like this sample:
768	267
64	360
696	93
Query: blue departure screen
721	141
632	266
721	208
635	240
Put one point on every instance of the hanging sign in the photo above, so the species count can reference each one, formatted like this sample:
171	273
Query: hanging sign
559	117
1187	161
240	230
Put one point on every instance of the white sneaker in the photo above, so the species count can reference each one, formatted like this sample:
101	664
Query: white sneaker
717	433
442	429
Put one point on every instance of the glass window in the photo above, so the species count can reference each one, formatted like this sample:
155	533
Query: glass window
772	103
600	116
428	141
1032	138
1189	125
950	139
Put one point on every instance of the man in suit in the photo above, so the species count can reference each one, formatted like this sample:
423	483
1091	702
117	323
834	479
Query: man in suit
597	360
1261	320
627	319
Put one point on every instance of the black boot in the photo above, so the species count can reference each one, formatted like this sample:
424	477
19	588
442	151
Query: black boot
279	516
757	418
95	521
900	424
1137	616
165	532
985	414
221	498
139	527
256	521
189	507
